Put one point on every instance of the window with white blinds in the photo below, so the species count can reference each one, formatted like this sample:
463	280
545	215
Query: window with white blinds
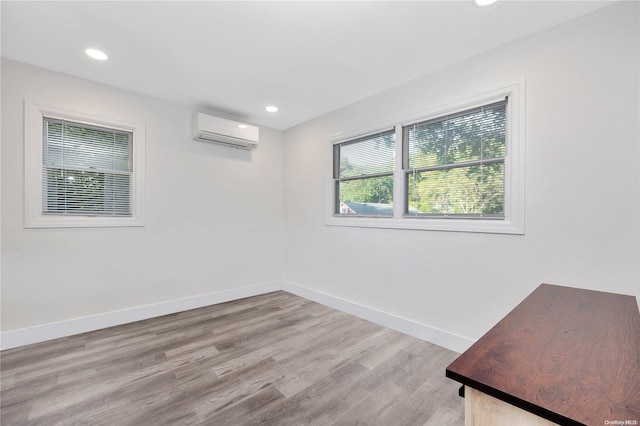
454	164
458	167
82	170
86	169
363	175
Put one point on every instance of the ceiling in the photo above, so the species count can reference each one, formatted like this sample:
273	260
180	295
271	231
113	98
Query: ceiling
307	58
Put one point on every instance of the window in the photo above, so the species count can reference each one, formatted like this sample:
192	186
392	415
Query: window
363	174
457	168
87	170
455	164
81	170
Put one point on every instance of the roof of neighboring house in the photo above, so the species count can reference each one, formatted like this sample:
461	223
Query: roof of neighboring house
370	209
376	209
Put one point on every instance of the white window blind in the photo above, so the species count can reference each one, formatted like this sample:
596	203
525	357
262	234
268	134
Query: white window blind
363	175
455	164
87	170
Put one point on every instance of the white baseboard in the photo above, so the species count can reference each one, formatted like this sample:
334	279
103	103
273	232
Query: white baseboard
55	330
412	328
40	333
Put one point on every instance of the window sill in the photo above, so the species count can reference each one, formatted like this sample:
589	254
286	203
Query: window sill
47	221
491	226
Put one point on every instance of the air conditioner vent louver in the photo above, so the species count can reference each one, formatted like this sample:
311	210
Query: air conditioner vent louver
207	128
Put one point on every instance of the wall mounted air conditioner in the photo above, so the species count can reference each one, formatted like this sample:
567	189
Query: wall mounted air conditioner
207	128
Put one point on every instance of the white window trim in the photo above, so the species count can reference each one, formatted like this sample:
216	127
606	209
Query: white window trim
33	146
513	222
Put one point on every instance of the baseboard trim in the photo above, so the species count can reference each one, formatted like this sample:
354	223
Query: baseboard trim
421	331
40	333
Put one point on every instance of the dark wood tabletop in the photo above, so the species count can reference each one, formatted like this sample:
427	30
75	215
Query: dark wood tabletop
569	355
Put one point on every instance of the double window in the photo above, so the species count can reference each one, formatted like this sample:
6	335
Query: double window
82	170
457	169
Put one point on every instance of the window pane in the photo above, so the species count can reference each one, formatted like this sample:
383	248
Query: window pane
87	169
74	145
368	196
472	135
366	156
472	191
80	192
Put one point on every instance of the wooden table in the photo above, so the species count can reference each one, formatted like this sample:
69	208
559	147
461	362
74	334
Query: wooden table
563	356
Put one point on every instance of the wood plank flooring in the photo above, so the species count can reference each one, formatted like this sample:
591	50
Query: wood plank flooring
275	359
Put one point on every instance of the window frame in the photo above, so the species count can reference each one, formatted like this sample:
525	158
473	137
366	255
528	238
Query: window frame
337	148
34	217
514	206
409	170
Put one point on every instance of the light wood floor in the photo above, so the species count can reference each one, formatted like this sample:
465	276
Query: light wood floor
275	359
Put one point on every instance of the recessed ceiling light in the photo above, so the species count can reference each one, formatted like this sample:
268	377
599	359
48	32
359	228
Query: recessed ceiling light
242	126
97	54
482	3
272	108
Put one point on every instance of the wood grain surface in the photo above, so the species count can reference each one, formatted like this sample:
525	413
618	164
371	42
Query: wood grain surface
275	359
569	355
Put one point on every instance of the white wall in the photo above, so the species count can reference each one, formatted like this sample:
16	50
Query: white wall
582	186
213	222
